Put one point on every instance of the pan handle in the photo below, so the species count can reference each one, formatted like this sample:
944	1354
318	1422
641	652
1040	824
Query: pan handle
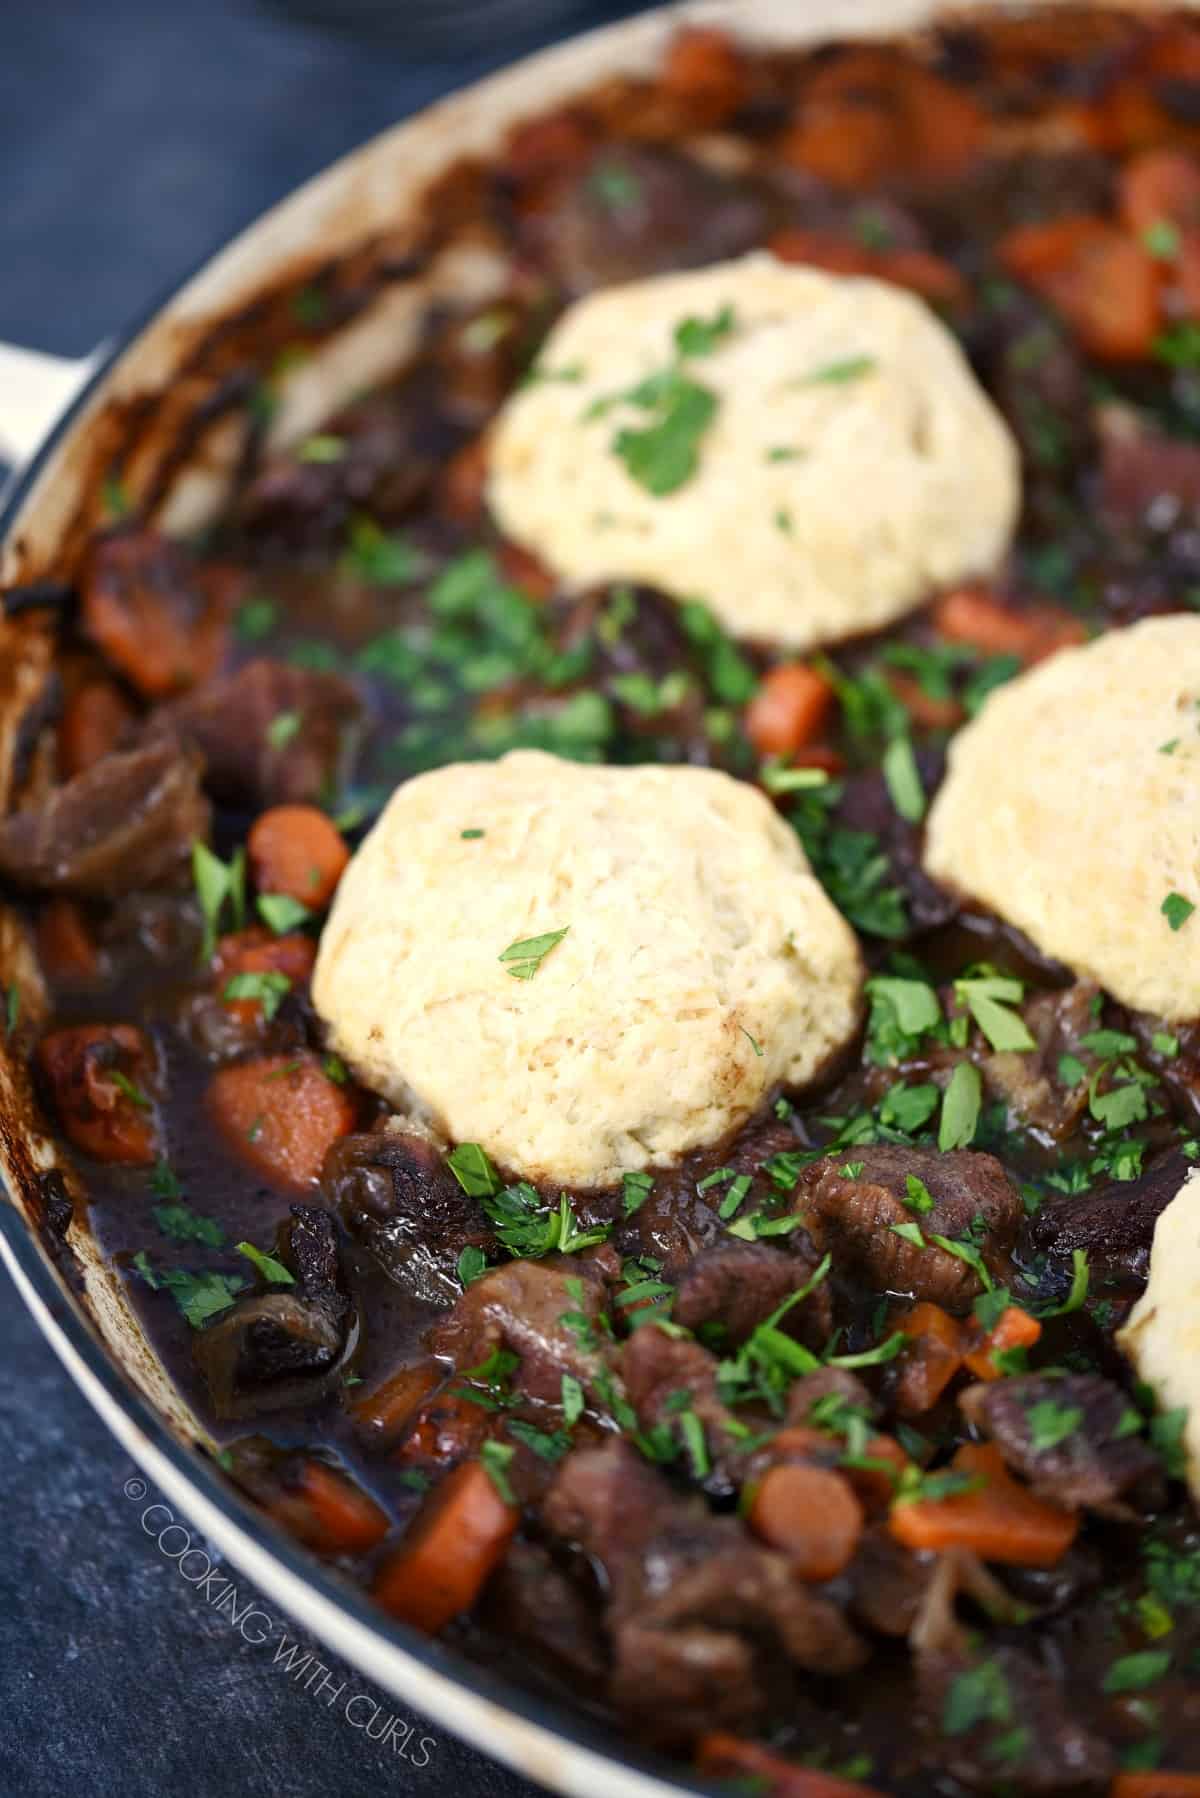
34	390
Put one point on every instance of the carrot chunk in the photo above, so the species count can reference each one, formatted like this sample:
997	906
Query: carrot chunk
1155	1785
1102	279
160	620
999	1520
810	1514
328	1511
256	951
458	1538
281	1115
298	851
726	1756
876	1485
1160	187
100	1077
1015	1329
970	615
66	949
927	1367
788	710
704	68
383	1412
94	720
926	711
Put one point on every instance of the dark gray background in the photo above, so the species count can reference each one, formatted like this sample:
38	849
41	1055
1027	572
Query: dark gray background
134	136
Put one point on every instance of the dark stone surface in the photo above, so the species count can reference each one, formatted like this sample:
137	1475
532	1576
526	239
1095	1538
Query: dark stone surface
134	137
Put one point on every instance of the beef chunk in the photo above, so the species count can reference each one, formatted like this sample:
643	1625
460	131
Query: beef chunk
1146	478
1114	1223
391	445
638	210
249	760
738	1285
658	1369
283	1347
1064	1435
888	1583
522	1307
533	1601
973	1202
828	1382
866	805
128	822
159	618
673	1225
1039	379
695	1609
1002	1718
397	1197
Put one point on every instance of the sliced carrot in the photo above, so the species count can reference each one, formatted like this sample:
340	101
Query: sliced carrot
557	142
298	851
256	951
927	1367
101	1077
809	1514
705	69
1015	1329
849	150
922	272
725	1756
1100	277
1155	1785
865	116
66	948
788	710
926	711
820	755
459	1537
971	615
382	1413
1160	187
445	1429
999	1520
525	571
94	720
328	1511
281	1115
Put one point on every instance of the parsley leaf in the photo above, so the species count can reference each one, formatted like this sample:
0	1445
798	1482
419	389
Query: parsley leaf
1134	1672
1051	1423
472	1264
903	779
664	455
269	989
527	955
960	1108
988	998
218	884
182	1224
281	913
496	1458
701	336
472	1168
1177	910
270	1269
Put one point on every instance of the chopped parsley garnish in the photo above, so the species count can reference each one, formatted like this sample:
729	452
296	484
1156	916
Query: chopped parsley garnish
903	779
199	1296
701	336
12	1008
901	1012
1177	910
549	1446
753	1042
472	1264
910	1232
1051	1423
471	836
129	1088
1080	1278
322	447
524	958
267	989
848	368
960	1108
472	1168
182	1224
283	729
635	1190
572	1399
281	913
1164	1044
218	884
989	998
272	1270
256	618
917	1196
990	1307
964	1250
664	454
1134	1672
335	1069
617	187
496	1458
382	559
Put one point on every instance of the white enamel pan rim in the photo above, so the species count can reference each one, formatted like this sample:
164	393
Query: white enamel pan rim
533	1737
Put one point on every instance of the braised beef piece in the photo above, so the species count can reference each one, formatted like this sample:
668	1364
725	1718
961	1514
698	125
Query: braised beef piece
1146	478
1051	1589
866	805
666	1375
1031	187
854	1215
379	456
129	822
270	734
641	209
825	1383
888	1583
1001	1719
1038	377
282	1346
1074	1438
529	1308
1113	1223
530	1599
158	616
397	1197
673	1225
739	1284
630	630
697	1614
